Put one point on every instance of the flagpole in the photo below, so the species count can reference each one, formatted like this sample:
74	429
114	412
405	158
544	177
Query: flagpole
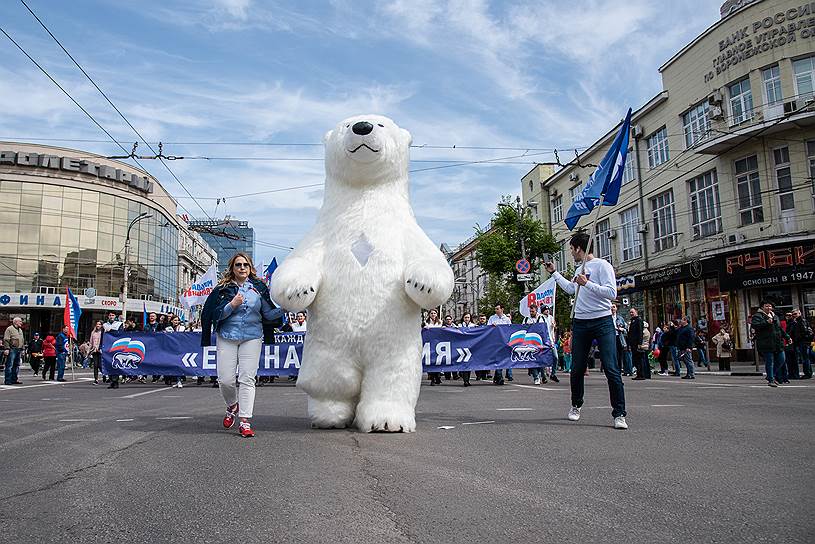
589	249
71	358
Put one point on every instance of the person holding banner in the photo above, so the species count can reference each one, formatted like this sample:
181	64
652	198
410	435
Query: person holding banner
243	315
592	321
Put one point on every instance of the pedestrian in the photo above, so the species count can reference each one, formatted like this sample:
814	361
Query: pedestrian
566	342
243	315
724	348
592	321
433	322
35	353
802	337
538	373
63	342
769	341
112	324
49	354
467	323
667	349
700	342
96	350
684	345
500	318
551	329
636	335
13	346
621	329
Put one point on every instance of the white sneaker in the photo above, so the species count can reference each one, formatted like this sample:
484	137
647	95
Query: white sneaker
619	422
574	414
537	381
179	385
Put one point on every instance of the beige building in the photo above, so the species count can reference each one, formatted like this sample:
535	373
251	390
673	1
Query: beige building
470	281
717	208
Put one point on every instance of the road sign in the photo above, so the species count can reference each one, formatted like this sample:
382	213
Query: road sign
525	277
522	266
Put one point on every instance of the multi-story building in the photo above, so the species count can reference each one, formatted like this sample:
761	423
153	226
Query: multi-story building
227	237
195	256
717	208
470	281
64	217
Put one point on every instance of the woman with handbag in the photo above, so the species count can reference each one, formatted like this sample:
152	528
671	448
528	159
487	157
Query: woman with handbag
242	315
724	348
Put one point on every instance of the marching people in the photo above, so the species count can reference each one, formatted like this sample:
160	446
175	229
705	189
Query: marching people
538	373
592	321
112	324
769	341
467	323
551	328
35	353
96	350
243	315
49	354
13	345
174	326
500	318
724	346
433	322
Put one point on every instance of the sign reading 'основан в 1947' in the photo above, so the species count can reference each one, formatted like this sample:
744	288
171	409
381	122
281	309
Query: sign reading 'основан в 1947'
779	265
79	166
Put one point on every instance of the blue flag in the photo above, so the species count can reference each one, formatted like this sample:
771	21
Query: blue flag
72	313
144	316
605	182
267	274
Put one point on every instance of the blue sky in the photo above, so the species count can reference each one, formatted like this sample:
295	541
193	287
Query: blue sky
538	74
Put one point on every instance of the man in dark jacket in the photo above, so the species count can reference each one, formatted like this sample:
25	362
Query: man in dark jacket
769	341
35	352
801	334
684	345
634	340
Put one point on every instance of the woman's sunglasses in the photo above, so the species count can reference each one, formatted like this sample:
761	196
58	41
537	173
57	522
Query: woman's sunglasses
241	265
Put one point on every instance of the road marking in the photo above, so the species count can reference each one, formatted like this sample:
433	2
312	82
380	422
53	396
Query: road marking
134	395
446	427
478	422
515	409
667	405
75	420
175	417
712	387
131	419
171	396
539	388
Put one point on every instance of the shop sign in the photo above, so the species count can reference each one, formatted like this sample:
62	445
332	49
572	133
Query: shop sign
691	271
626	283
57	301
782	265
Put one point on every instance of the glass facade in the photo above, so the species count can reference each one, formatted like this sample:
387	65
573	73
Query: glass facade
228	237
52	236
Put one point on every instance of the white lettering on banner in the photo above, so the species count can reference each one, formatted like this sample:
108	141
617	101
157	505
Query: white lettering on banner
271	356
426	354
208	362
291	358
443	353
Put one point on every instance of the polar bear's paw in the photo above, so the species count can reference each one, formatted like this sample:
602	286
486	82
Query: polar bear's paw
295	285
330	414
389	417
427	284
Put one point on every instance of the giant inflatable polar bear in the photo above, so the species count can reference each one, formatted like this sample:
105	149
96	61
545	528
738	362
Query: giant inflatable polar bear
364	271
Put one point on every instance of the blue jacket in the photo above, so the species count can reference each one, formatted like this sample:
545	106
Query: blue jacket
62	343
684	337
213	318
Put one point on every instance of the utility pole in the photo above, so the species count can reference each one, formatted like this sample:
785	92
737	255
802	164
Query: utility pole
519	210
138	218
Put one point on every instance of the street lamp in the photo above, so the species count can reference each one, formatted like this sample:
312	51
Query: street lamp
138	218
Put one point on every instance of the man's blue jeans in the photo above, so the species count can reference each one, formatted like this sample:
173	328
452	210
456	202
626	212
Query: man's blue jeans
802	349
687	358
772	365
584	331
61	365
628	362
12	366
703	356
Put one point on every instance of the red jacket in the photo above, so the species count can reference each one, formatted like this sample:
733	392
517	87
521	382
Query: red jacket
49	346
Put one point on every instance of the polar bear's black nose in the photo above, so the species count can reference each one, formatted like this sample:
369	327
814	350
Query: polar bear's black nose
362	128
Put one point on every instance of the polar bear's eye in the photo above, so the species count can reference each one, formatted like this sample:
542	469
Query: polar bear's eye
381	125
347	126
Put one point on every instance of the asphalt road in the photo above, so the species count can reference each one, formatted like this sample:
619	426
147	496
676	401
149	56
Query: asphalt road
720	459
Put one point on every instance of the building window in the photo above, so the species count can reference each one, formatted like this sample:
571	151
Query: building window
804	70
741	102
697	124
748	185
772	85
630	238
557	209
811	157
629	174
531	186
602	231
658	148
662	210
704	202
783	177
560	256
574	192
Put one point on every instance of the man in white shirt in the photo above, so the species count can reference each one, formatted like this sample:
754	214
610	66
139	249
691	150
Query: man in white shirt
500	318
592	321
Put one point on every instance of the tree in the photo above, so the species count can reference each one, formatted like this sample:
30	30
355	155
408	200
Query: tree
499	247
563	307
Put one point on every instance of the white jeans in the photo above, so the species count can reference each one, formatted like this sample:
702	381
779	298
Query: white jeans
242	358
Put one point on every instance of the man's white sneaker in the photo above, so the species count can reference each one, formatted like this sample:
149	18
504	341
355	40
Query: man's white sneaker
537	381
574	414
619	422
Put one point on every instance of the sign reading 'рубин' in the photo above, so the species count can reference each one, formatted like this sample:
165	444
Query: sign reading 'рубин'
780	265
80	166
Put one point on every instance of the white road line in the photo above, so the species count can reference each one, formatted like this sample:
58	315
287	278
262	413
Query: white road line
478	422
539	388
171	396
515	409
175	417
667	405
134	395
131	419
75	420
446	427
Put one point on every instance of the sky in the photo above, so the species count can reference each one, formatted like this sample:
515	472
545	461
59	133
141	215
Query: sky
514	79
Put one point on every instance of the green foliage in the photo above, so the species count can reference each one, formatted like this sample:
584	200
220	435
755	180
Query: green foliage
563	308
497	291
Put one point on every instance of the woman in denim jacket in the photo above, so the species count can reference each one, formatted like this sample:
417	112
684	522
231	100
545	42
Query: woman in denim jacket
242	314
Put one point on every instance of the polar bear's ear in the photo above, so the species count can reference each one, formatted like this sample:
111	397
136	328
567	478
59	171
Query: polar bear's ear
406	137
327	136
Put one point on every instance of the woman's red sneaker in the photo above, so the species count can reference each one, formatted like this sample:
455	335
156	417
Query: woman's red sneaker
229	418
246	430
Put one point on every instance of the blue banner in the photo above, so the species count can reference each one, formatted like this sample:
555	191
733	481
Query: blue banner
445	350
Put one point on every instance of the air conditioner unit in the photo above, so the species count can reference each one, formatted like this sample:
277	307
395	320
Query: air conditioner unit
736	238
715	99
716	112
573	177
611	234
790	107
636	131
643	228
